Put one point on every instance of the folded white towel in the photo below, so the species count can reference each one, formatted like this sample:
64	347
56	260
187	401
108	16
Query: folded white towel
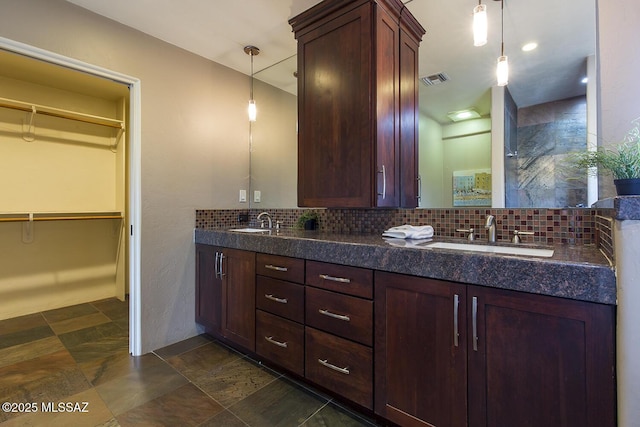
407	243
410	232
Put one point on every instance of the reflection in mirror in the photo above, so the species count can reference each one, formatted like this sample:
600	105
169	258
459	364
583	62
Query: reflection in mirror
274	146
545	118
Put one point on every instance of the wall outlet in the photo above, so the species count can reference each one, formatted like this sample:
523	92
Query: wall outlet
257	195
244	217
243	196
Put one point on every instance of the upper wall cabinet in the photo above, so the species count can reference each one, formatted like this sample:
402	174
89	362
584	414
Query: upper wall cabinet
357	104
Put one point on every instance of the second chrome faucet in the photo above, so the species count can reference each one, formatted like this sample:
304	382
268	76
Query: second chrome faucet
490	226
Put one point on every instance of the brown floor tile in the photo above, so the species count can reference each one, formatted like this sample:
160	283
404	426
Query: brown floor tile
49	378
183	346
234	381
186	406
96	342
198	362
95	413
30	350
113	308
70	312
100	371
25	336
335	415
224	419
147	383
77	323
21	323
281	403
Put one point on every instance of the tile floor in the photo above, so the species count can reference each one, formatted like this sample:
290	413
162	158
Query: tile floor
78	357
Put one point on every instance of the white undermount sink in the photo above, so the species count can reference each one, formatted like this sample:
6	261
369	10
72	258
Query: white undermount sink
504	250
250	230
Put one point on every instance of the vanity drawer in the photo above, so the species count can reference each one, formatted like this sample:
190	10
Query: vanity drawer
285	299
280	267
340	278
346	316
339	365
280	341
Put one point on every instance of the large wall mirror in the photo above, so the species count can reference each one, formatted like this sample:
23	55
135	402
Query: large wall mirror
545	113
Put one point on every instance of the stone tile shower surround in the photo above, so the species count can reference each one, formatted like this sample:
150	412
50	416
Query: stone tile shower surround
573	226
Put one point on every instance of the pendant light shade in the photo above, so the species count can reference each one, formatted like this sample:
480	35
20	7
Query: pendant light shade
480	25
252	110
502	71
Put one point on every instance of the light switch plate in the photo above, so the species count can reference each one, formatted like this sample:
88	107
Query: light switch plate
257	195
243	195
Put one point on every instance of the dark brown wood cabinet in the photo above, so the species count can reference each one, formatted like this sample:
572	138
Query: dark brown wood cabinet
539	361
208	289
225	294
522	359
339	330
420	351
357	104
238	273
280	311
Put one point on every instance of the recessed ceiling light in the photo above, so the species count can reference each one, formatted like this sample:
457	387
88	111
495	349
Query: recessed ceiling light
467	114
529	46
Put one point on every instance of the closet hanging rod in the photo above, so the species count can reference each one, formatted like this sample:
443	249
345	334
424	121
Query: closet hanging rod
58	112
61	217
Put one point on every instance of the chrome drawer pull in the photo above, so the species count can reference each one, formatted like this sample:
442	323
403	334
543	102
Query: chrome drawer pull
278	343
275	267
276	299
335	279
334	367
335	316
456	304
474	314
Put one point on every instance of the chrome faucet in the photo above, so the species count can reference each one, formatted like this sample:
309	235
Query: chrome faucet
260	215
490	226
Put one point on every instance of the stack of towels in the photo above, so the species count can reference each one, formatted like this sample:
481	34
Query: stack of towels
409	232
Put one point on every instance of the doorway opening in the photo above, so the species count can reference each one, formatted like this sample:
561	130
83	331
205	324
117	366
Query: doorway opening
97	119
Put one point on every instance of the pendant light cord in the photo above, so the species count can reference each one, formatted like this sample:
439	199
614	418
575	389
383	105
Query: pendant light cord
502	28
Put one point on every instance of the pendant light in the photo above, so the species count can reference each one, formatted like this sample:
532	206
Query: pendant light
502	70
480	24
252	51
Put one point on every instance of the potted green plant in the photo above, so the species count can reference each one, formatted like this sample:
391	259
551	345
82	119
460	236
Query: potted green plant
621	161
308	220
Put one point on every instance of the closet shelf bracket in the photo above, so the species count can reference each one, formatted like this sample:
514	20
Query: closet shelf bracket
30	134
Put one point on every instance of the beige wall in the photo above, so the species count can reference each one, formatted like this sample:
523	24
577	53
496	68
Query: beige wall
619	95
444	149
194	143
274	155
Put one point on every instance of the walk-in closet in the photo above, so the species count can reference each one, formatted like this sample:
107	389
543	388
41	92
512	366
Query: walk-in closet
63	187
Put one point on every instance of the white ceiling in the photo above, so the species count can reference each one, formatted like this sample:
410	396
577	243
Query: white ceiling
218	30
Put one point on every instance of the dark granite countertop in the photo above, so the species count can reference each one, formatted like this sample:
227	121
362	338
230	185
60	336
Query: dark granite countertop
575	272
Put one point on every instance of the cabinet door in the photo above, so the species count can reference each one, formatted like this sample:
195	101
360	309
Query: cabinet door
420	351
387	110
208	289
239	297
335	138
539	361
408	121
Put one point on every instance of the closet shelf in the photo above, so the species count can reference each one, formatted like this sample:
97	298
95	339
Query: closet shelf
58	216
58	112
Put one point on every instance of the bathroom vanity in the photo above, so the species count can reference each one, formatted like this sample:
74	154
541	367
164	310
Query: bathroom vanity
418	335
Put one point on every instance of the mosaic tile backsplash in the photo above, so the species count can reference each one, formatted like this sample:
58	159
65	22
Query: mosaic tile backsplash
574	226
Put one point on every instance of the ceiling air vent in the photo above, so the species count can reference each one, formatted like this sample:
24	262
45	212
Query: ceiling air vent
435	79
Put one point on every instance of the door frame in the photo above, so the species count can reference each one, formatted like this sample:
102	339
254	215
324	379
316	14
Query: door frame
134	153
